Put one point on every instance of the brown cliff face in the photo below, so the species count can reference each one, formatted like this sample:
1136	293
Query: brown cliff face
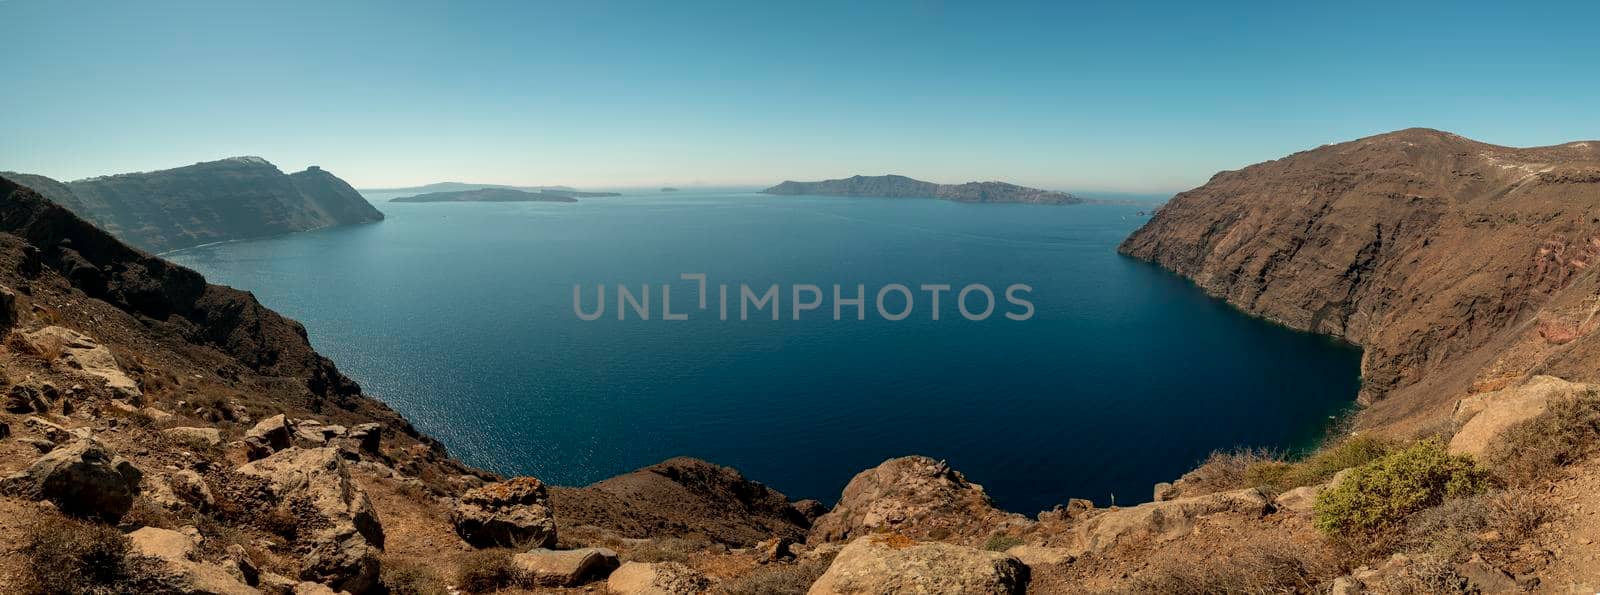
1458	265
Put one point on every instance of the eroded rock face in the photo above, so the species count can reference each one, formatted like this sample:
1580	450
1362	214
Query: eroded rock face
82	353
83	479
658	578
890	564
915	496
340	532
1484	415
513	513
1156	521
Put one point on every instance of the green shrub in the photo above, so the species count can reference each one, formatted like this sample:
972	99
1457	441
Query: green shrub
1320	466
1534	450
1000	542
1382	493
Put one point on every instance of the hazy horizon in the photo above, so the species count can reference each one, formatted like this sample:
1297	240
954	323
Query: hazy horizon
1152	99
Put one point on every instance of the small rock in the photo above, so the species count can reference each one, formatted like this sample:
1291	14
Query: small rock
5	430
1345	585
659	578
194	436
774	550
50	431
1485	578
368	436
157	415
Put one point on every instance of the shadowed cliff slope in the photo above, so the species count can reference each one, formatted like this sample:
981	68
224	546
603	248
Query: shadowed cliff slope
230	199
1459	266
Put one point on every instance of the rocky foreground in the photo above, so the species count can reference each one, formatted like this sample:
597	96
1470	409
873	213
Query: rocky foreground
163	435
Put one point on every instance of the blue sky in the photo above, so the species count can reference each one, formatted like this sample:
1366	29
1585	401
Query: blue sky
1142	97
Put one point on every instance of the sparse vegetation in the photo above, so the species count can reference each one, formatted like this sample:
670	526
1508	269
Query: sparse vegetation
68	556
1320	466
1381	494
1000	542
1225	470
1270	566
777	579
406	578
485	571
668	549
1535	450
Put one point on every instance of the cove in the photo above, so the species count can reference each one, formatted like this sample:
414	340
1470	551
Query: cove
460	316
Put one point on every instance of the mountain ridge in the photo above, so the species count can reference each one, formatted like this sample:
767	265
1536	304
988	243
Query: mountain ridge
212	201
898	186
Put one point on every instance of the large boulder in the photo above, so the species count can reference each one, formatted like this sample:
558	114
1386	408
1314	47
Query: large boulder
658	578
914	496
888	564
84	479
565	568
1156	521
1483	416
269	436
82	353
339	532
514	513
177	553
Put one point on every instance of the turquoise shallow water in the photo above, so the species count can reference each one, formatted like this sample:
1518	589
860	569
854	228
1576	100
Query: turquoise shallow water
460	316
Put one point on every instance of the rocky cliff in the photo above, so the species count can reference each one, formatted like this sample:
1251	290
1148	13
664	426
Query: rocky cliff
1458	266
230	199
892	186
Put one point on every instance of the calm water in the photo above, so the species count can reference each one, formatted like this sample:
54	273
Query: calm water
460	316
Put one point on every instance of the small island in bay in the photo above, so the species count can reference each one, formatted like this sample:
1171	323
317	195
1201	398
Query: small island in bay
491	195
892	186
669	189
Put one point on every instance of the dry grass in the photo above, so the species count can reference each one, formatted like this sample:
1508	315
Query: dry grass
50	349
486	571
1268	565
1318	467
667	549
777	579
1536	450
1225	471
67	556
406	578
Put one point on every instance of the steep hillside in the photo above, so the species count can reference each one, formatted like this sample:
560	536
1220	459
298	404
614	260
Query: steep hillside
1459	266
230	199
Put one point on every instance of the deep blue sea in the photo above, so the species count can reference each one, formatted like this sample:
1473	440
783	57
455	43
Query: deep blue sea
461	317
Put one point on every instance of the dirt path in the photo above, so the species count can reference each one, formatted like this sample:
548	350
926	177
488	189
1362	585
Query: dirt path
1574	537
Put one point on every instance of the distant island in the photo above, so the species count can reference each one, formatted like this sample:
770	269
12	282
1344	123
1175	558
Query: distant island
669	189
441	187
214	201
892	186
492	195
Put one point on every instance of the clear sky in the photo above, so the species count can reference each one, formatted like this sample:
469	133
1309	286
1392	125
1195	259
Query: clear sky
1141	97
